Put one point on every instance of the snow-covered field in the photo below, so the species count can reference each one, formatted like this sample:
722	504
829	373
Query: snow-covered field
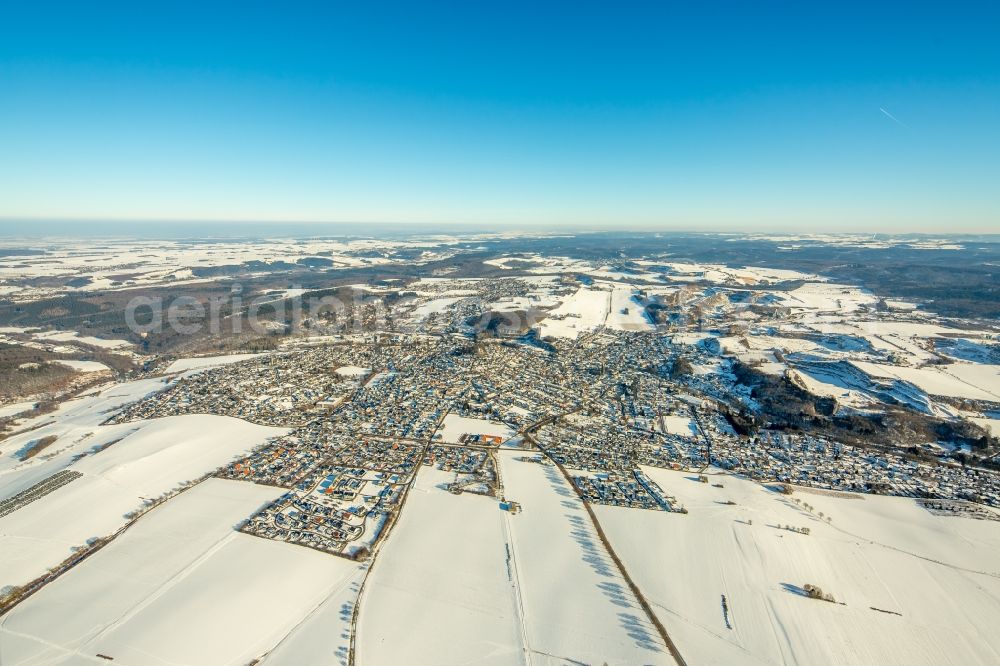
205	362
440	591
72	423
902	577
324	636
84	366
454	426
179	587
352	371
164	262
16	408
993	425
651	270
583	311
434	306
829	385
576	606
828	297
73	336
959	380
626	313
122	466
676	424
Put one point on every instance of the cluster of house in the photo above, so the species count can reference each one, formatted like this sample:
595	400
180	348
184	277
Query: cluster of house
380	454
274	389
406	403
594	445
474	468
633	490
340	510
961	508
811	461
467	301
363	414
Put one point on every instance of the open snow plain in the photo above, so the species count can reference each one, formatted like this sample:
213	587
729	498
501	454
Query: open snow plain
178	587
576	606
121	467
454	427
443	574
910	587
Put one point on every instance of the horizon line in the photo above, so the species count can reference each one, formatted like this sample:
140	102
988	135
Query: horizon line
478	227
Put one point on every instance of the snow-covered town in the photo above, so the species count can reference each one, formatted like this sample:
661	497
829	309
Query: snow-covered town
569	460
499	334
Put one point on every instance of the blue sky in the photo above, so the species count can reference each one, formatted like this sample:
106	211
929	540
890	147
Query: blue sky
749	116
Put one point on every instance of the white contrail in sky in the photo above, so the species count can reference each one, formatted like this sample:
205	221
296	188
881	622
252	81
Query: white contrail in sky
891	117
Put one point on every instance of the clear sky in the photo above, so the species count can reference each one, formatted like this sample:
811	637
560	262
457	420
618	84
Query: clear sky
693	115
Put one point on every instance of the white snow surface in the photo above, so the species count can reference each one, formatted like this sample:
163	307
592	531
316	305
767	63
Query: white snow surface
675	424
959	380
576	606
15	408
84	366
584	311
144	460
439	592
179	587
883	553
627	312
206	362
352	371
454	426
73	336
